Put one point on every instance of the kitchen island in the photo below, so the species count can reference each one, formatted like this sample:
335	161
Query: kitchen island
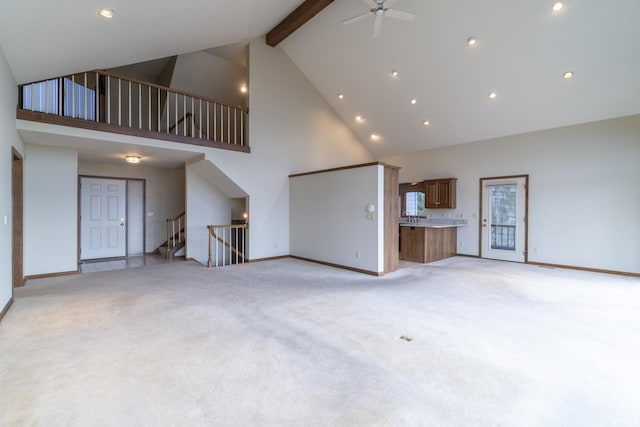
429	240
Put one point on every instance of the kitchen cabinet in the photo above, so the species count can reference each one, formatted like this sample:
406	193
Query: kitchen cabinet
427	244
412	243
440	193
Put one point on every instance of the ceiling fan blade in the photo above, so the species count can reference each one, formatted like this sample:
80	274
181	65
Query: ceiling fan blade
371	3
377	25
400	14
356	18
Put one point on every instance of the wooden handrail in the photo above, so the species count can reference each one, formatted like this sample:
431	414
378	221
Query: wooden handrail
172	241
177	216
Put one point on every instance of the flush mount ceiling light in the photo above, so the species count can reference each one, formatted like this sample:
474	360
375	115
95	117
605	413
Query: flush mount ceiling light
426	123
395	73
244	89
413	101
567	74
493	95
340	96
133	159
471	41
106	12
557	6
375	137
359	118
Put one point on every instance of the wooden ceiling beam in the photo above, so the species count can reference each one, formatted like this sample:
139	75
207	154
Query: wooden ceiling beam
296	19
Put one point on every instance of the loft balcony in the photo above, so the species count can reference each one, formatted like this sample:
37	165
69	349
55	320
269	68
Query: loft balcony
102	101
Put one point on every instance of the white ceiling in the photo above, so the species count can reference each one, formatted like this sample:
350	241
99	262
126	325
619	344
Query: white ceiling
522	51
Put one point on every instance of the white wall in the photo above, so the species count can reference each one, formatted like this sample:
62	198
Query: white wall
206	205
50	210
8	138
210	76
584	189
329	220
291	129
165	194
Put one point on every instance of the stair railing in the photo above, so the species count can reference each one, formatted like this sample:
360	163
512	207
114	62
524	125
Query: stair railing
227	244
108	99
175	231
190	124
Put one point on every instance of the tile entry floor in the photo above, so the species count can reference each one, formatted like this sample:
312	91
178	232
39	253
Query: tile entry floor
123	263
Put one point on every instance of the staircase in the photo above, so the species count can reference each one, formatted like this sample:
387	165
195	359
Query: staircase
227	244
170	252
175	237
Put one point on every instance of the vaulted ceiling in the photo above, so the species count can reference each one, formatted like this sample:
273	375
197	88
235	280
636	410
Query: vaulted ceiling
522	50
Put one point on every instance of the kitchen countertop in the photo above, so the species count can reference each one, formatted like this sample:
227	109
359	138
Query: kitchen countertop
435	223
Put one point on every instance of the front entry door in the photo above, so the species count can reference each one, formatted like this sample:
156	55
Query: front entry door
103	228
504	218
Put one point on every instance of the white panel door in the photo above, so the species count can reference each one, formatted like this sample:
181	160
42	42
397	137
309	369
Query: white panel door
504	219
103	228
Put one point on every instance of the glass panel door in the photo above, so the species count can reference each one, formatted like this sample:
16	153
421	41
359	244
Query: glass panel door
502	207
504	219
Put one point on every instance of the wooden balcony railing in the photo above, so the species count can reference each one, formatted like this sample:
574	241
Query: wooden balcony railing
103	101
227	244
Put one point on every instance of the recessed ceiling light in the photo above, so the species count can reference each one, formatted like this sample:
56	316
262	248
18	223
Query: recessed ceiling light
426	123
106	12
493	95
471	41
340	96
244	89
359	118
568	74
375	137
133	159
395	73
557	6
414	101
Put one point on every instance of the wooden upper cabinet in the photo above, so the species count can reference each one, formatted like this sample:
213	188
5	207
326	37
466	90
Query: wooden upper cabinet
440	193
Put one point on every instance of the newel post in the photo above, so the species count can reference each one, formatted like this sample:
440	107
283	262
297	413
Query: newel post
210	262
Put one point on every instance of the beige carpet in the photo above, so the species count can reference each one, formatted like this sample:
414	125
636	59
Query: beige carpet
288	343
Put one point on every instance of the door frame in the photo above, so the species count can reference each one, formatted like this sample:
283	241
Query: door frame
144	213
144	209
17	220
526	211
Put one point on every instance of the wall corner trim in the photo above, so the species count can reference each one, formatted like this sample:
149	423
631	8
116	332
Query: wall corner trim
343	267
362	165
588	269
6	308
44	276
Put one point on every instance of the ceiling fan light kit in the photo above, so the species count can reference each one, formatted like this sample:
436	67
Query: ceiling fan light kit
380	9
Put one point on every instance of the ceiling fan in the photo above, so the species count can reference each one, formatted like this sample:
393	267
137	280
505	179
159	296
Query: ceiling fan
380	8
